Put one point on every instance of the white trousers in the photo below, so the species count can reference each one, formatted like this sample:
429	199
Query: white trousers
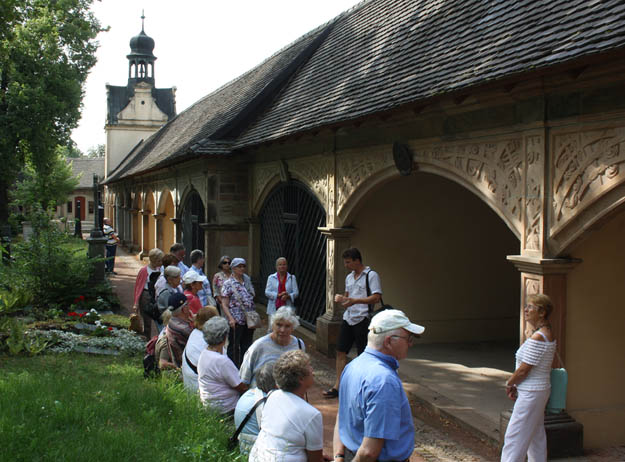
525	434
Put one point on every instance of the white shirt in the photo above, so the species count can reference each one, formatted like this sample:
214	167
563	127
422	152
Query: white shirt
217	377
357	288
289	427
150	271
193	350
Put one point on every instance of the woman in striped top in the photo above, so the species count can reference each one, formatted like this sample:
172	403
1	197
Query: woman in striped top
530	386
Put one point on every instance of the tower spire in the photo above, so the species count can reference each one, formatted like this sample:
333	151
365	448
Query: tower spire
142	20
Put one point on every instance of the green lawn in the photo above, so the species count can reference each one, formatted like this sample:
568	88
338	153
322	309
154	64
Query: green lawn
90	408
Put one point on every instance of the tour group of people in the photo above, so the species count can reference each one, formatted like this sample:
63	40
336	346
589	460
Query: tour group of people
206	330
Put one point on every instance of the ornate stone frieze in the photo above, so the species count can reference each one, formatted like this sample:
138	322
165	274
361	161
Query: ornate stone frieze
261	176
495	169
585	166
534	162
353	169
313	171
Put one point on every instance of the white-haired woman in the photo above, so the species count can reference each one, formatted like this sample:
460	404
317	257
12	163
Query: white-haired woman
264	384
195	345
291	430
530	386
218	377
271	346
172	286
281	289
142	299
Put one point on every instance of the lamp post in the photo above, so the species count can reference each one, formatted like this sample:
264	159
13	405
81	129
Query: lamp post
96	239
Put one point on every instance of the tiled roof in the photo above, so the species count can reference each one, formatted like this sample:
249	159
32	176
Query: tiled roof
224	109
87	167
119	97
390	52
379	55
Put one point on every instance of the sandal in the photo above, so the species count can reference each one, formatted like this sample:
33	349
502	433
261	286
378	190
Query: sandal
331	393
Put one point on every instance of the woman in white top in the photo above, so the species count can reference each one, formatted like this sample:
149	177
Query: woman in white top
218	377
530	386
291	430
195	345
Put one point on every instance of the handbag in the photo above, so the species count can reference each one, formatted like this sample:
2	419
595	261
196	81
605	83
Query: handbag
136	323
252	318
559	382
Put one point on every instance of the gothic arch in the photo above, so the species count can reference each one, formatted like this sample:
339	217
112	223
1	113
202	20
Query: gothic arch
355	201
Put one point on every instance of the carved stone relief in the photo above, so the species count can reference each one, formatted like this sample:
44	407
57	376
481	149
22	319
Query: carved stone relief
261	175
586	165
313	171
534	161
494	168
353	169
330	271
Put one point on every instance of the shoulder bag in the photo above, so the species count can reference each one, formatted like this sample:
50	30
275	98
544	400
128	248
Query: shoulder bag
559	382
383	307
232	441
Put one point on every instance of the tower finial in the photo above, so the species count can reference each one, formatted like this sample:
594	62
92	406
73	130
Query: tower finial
142	20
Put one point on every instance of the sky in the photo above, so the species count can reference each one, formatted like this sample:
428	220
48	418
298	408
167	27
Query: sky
200	45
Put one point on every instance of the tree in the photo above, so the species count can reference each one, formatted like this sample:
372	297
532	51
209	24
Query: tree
96	151
46	50
69	151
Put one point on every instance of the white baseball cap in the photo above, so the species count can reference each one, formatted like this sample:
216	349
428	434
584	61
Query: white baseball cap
388	320
191	276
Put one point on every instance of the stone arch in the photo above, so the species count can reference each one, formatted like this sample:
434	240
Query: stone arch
266	190
166	213
389	173
587	220
441	255
192	213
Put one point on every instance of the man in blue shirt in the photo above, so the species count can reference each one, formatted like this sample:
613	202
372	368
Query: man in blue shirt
178	251
374	422
197	263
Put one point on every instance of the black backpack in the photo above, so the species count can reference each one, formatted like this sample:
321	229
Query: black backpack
150	363
152	309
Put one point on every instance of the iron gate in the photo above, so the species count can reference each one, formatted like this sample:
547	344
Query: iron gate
192	234
289	221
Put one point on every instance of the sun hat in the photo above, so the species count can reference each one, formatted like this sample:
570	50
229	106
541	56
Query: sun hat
176	301
191	276
236	262
388	320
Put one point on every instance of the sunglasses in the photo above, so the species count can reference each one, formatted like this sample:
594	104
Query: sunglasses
225	262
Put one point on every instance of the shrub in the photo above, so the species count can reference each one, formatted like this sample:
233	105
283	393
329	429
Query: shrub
52	267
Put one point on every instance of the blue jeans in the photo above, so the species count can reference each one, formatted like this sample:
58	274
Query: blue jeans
109	263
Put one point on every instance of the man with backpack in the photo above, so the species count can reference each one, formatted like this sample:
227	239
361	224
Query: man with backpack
362	291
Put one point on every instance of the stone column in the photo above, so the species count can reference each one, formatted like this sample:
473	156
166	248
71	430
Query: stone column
253	251
547	276
328	325
143	228
158	229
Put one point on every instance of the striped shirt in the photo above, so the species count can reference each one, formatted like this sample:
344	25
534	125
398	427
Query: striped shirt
539	355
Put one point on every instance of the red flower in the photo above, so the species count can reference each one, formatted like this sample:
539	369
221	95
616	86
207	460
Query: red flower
81	298
82	314
72	313
110	328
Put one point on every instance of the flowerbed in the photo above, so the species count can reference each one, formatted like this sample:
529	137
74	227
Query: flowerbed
119	340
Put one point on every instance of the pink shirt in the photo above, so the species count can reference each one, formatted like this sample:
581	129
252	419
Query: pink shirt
194	301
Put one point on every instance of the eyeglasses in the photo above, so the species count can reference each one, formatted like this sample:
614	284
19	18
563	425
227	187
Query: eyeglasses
531	307
225	262
410	339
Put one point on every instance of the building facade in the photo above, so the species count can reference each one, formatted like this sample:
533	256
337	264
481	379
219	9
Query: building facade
473	152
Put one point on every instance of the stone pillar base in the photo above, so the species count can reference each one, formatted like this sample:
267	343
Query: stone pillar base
327	335
96	250
565	436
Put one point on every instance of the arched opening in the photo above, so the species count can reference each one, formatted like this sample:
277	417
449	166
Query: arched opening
165	233
594	333
136	217
289	220
441	255
193	214
149	224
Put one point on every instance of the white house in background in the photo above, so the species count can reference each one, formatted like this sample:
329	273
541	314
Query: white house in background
84	169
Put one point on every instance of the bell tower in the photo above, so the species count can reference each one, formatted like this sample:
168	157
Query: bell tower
139	109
